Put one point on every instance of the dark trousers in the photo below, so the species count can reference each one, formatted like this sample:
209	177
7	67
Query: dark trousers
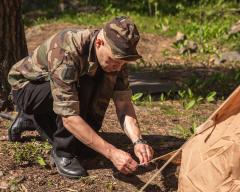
36	102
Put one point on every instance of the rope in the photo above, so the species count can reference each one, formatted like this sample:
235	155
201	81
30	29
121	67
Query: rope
165	164
161	169
162	157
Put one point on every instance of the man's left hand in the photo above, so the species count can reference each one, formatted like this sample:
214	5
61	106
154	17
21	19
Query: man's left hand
144	152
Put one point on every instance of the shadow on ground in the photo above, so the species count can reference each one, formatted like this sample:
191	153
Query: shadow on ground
161	145
172	78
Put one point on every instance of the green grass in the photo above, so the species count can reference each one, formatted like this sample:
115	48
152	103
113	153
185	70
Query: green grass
195	21
183	132
31	152
206	22
168	110
208	28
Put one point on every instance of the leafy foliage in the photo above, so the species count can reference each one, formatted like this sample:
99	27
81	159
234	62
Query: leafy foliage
201	22
32	152
184	132
136	97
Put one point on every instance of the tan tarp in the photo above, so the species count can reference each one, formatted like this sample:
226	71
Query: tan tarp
211	159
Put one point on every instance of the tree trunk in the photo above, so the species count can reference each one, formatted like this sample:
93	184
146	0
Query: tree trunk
13	45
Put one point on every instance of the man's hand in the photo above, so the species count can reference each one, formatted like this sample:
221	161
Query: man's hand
123	161
144	152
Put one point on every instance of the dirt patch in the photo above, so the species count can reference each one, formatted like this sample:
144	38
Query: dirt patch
152	47
156	122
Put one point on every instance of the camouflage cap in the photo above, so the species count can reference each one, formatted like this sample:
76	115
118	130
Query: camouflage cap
122	35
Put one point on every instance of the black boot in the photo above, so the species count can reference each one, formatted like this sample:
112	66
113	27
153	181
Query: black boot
68	167
20	124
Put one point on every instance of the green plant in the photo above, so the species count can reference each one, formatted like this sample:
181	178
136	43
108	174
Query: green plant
14	183
165	96
142	98
32	152
50	183
110	186
162	97
193	128
136	98
184	132
112	10
211	96
168	110
149	98
189	99
216	85
89	180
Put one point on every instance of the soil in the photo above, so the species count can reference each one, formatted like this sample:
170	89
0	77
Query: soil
156	123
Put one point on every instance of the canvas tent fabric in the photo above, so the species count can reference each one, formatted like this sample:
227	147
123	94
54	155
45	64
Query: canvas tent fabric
211	158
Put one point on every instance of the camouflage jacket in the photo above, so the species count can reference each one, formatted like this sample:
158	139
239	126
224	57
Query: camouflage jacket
62	60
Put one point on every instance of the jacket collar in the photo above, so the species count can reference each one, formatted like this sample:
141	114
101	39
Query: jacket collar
92	57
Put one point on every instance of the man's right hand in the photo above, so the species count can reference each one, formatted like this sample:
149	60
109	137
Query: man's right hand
123	161
80	129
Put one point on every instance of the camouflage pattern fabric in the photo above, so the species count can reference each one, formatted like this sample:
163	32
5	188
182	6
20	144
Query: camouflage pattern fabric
122	36
63	59
111	85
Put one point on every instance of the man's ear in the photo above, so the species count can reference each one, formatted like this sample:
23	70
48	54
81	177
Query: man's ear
99	42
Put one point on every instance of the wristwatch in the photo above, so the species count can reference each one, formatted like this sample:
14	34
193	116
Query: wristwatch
142	141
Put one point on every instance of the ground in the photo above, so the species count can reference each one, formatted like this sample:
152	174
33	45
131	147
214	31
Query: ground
160	122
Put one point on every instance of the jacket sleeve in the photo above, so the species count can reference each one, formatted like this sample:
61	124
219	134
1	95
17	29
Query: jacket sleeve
63	81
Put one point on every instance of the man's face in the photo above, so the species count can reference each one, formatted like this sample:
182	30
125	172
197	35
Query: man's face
107	60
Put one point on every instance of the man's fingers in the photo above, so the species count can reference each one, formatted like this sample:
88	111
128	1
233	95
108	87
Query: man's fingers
144	153
126	170
129	170
140	157
149	153
145	156
132	165
129	165
152	152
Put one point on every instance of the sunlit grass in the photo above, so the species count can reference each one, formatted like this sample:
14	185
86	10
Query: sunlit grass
203	24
